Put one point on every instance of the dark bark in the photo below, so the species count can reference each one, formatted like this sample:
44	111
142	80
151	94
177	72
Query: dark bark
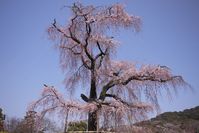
92	116
85	98
92	121
93	94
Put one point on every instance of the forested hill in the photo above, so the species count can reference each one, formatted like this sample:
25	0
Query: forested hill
186	121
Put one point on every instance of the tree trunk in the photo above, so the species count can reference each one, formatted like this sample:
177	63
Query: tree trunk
92	121
92	116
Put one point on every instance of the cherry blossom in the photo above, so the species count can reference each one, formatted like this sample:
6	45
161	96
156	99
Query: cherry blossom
116	88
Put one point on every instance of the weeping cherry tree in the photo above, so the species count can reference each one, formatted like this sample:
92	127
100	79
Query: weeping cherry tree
117	90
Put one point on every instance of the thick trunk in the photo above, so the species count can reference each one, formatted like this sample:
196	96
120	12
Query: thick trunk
93	93
92	116
92	121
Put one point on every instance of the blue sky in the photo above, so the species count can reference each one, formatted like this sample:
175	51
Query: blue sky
169	36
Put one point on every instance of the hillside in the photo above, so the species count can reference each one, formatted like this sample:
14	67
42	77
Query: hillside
186	121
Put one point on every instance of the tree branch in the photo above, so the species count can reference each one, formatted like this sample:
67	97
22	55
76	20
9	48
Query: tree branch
117	98
70	31
150	78
43	113
58	98
85	98
113	83
85	63
59	30
100	49
101	54
71	49
88	31
131	105
106	88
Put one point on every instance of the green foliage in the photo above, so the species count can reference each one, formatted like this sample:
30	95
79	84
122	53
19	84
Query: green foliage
184	121
77	126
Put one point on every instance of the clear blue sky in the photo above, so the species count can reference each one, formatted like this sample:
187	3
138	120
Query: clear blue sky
169	36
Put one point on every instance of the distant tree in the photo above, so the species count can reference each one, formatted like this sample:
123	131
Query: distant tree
2	118
17	125
29	121
26	125
117	88
34	123
13	125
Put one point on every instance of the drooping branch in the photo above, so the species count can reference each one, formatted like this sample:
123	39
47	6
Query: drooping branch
130	105
135	78
117	98
51	100
154	75
44	112
150	78
71	49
